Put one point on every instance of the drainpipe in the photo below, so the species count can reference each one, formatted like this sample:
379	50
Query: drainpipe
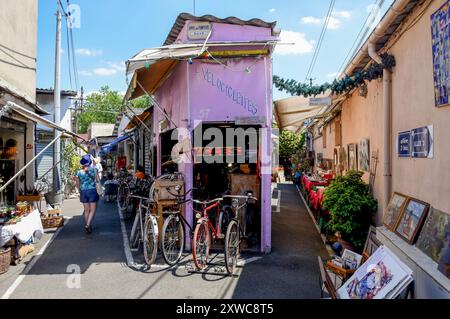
387	125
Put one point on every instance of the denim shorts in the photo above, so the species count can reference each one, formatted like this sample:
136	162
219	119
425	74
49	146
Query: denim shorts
89	196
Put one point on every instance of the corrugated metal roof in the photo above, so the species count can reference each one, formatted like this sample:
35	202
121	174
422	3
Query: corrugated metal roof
183	17
50	91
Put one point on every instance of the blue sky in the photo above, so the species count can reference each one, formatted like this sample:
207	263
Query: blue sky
111	31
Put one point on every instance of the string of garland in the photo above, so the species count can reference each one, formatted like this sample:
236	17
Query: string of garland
346	84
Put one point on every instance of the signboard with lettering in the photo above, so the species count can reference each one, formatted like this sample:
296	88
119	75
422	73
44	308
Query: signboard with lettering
253	120
404	144
199	30
422	142
325	101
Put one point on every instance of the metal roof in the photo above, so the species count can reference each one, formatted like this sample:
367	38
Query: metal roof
51	91
183	17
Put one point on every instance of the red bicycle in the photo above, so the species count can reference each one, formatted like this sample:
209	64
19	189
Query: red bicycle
203	230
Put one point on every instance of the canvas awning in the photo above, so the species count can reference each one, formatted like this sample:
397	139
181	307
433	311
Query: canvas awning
137	119
109	147
39	119
292	113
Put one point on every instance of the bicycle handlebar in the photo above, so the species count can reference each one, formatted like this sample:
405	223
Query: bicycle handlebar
240	197
207	202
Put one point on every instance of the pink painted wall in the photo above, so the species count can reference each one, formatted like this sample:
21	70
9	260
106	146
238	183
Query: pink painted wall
211	92
230	32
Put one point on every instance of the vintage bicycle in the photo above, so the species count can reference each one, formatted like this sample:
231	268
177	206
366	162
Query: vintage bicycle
236	230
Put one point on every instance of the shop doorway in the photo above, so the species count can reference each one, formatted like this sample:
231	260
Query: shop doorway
226	163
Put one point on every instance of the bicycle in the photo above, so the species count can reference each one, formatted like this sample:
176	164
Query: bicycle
148	229
202	236
235	232
174	230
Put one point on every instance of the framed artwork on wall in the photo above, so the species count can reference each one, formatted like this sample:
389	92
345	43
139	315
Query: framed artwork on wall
364	155
444	262
412	219
440	35
394	211
435	234
352	157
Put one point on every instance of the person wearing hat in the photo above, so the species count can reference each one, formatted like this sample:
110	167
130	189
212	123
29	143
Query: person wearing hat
86	181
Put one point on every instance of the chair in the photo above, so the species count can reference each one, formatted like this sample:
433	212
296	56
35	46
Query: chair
325	281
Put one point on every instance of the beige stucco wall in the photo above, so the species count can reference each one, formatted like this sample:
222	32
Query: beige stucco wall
413	107
18	41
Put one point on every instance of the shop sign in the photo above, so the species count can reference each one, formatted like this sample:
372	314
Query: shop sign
199	30
253	120
404	144
325	101
218	151
422	142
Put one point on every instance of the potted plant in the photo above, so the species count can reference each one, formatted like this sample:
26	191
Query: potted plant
351	207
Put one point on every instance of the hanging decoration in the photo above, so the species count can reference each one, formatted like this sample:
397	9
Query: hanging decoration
346	84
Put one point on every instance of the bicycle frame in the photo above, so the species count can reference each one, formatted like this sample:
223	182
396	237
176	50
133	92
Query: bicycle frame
215	230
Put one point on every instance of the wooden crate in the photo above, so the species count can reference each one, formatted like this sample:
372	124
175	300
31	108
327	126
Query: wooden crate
52	222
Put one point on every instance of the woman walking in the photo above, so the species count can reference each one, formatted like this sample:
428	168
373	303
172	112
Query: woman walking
86	184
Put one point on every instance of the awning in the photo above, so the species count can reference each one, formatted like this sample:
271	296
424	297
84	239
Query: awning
137	119
39	119
292	113
151	67
108	147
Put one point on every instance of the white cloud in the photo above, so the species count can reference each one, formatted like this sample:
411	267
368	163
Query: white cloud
333	75
85	73
119	67
311	20
272	10
300	44
342	14
89	52
105	71
334	23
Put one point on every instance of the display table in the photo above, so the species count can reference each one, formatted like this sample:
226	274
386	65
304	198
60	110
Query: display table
316	198
309	183
29	227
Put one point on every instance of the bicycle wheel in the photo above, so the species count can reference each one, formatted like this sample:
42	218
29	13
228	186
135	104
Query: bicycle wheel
232	246
201	245
172	239
150	240
122	197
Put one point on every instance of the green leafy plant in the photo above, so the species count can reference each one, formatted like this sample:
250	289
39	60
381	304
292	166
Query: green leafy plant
351	207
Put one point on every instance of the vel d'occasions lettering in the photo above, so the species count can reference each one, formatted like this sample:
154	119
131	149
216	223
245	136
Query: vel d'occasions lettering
230	92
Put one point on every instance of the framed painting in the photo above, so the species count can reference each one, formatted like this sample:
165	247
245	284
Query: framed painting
364	155
444	262
352	157
372	242
435	234
394	210
412	219
440	35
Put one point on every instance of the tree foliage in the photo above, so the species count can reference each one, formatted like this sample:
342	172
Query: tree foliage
351	207
100	107
290	143
142	102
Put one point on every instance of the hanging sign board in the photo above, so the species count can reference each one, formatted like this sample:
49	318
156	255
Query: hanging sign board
251	120
323	101
422	142
199	30
404	144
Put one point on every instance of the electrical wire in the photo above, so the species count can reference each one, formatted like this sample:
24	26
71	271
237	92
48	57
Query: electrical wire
320	41
359	38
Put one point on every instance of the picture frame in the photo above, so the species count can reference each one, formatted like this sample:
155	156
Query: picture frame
444	262
412	219
350	259
372	243
352	157
364	155
394	210
435	234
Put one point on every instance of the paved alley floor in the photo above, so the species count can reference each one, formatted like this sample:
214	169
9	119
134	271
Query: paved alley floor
76	265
